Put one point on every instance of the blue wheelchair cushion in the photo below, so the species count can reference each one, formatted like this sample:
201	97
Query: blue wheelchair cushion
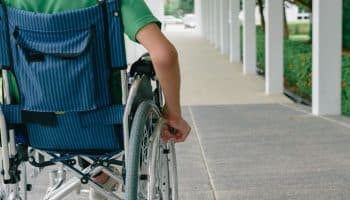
90	131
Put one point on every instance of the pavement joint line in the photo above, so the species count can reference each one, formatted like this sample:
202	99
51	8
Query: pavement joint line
344	124
212	186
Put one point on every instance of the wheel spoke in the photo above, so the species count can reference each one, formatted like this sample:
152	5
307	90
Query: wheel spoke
146	159
150	157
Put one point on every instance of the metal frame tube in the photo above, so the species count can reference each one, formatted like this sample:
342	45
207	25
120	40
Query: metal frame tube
12	144
65	189
152	167
74	183
96	186
125	83
128	106
7	100
5	147
4	133
6	95
23	178
173	171
165	185
10	147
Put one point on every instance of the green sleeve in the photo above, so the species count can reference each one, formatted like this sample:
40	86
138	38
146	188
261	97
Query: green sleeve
50	6
136	15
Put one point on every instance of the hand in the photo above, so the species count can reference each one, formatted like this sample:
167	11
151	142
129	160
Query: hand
176	130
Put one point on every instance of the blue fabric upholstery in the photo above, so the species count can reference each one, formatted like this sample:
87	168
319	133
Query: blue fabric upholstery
64	78
4	54
12	113
71	136
62	65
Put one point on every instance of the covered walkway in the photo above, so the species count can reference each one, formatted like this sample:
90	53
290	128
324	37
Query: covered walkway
245	144
208	78
248	145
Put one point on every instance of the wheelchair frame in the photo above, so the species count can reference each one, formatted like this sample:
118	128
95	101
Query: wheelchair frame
13	168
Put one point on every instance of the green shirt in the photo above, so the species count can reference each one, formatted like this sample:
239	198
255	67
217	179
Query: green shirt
135	13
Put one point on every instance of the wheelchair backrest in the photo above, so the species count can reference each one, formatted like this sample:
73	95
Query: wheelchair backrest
63	63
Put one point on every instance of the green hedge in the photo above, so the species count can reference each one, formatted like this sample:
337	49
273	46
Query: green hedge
346	24
298	68
260	45
298	59
346	85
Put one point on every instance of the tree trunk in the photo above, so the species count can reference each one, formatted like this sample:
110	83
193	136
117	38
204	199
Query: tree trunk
262	17
286	30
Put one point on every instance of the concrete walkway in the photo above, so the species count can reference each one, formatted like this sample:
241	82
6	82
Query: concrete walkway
209	79
246	145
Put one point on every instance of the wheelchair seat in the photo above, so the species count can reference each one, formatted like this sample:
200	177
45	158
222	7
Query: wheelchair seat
67	115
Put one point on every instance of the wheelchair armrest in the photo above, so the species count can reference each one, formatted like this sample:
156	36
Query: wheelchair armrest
143	66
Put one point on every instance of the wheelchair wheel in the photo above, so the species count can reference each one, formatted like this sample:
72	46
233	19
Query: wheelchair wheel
147	176
173	181
168	168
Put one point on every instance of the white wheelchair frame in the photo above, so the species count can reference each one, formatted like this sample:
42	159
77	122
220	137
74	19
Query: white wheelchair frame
60	187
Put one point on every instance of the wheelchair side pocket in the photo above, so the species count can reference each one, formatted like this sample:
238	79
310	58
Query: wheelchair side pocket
55	70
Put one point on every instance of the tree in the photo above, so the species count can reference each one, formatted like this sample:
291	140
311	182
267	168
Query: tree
171	7
178	7
306	4
187	6
262	17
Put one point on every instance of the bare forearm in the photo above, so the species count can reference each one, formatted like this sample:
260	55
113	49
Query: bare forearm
166	64
169	77
165	60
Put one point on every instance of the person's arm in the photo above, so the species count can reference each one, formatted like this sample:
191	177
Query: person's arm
165	60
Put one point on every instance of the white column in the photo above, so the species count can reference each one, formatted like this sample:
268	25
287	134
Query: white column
212	22
327	45
216	24
198	13
249	37
207	18
224	27
235	33
204	15
274	47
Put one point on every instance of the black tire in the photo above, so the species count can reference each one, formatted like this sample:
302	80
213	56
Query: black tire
147	116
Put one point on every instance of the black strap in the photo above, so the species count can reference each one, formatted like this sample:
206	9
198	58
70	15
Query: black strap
14	114
43	118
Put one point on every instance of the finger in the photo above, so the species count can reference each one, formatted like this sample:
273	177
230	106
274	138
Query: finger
184	134
166	136
181	137
172	130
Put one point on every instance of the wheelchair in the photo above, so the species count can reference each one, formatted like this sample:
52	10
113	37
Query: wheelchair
63	65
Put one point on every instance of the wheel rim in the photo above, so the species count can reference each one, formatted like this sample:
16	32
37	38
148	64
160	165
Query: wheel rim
149	178
173	172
